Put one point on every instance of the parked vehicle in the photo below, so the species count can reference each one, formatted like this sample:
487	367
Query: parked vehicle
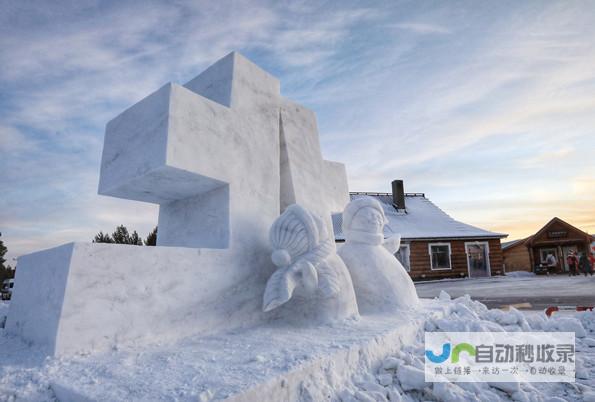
6	289
543	268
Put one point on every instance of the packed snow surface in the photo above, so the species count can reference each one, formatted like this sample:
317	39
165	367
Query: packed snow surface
206	369
520	274
497	291
213	367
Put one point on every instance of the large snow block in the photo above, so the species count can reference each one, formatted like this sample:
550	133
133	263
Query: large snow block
38	296
145	155
306	178
236	82
178	142
93	297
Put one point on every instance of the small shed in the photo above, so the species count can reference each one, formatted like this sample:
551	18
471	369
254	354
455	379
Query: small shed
557	237
516	256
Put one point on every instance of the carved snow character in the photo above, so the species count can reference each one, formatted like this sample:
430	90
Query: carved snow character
311	282
380	281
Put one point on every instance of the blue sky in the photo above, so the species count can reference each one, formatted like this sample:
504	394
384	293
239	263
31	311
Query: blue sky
486	106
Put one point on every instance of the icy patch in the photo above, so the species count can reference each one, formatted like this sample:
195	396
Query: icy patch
520	274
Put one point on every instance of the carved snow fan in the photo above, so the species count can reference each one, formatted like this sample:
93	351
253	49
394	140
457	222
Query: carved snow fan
301	245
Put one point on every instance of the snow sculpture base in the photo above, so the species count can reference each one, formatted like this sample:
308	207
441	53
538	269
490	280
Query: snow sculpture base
268	363
84	297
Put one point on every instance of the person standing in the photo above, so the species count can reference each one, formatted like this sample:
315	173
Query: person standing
585	265
551	262
572	262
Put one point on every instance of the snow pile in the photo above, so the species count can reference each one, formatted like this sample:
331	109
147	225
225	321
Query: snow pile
401	377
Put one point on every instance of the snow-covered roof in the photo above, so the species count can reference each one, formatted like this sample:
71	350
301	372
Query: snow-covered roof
421	220
509	244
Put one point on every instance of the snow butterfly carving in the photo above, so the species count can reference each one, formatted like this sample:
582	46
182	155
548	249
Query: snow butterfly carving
283	282
328	279
300	254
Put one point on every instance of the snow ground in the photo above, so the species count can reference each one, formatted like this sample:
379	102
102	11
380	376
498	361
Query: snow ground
539	291
209	368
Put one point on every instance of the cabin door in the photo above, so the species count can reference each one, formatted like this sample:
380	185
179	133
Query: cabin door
478	259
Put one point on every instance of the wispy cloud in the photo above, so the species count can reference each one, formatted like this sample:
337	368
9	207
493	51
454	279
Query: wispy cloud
12	140
422	28
463	102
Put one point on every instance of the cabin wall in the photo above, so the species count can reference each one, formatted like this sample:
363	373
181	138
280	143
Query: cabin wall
517	259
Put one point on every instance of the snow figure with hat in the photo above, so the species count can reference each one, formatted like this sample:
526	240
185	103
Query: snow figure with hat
381	283
311	282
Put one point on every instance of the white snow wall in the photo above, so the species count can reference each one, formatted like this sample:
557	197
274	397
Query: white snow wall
210	154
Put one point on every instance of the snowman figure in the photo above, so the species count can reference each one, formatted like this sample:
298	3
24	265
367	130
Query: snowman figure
380	281
311	284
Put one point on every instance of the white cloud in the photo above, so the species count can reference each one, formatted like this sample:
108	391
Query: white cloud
422	28
13	140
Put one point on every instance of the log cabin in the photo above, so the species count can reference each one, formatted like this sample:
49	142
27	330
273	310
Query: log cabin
557	237
433	244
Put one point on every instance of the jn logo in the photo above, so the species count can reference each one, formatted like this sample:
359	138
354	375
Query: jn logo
461	347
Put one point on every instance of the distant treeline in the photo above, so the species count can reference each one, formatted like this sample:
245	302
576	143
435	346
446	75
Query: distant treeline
122	236
6	271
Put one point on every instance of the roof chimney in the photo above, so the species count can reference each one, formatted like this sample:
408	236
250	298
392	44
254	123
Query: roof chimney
398	194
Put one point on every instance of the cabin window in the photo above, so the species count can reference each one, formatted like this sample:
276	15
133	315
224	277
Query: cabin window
440	256
403	256
543	253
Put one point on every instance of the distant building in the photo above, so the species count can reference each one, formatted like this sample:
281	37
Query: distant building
557	237
433	245
6	289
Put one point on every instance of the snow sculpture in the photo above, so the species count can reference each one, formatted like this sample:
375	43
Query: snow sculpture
309	270
222	156
380	281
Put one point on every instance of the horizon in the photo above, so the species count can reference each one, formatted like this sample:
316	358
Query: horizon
487	111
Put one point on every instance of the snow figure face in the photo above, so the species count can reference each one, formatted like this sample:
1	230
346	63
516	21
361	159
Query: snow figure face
368	220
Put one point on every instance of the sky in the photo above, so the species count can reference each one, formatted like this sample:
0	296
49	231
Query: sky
487	107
